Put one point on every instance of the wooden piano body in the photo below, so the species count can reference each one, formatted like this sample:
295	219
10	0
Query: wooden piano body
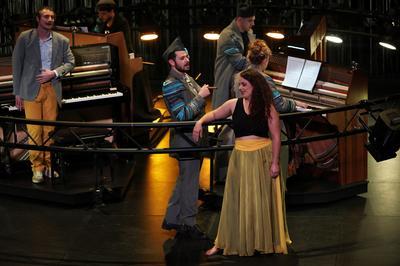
336	86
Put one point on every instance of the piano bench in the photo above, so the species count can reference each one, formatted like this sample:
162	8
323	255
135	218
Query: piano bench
91	138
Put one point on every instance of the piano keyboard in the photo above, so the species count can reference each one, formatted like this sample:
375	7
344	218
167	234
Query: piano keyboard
90	73
116	94
10	108
113	94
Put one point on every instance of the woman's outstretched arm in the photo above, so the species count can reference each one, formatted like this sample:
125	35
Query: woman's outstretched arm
224	111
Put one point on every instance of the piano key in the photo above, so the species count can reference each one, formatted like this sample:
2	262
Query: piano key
331	93
8	83
13	108
93	97
6	78
9	107
90	73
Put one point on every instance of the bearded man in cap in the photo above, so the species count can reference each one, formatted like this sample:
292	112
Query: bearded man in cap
230	59
185	101
111	21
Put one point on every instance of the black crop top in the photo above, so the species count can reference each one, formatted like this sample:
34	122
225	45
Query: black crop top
245	125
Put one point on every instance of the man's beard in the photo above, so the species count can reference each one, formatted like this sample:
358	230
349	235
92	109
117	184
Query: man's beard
182	69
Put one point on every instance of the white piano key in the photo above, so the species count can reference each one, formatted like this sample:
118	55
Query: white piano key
93	97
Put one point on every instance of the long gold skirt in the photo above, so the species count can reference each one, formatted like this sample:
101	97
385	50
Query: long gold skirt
252	216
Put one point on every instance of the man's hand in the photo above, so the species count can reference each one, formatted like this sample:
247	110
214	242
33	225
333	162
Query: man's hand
204	91
19	103
45	76
301	104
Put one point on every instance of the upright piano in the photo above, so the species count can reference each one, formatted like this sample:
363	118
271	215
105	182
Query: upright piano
92	92
126	67
93	85
335	86
93	81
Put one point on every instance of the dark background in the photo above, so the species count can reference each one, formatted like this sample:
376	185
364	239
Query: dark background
360	23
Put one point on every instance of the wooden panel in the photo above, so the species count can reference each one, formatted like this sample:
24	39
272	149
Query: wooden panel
75	38
352	159
335	86
317	38
5	66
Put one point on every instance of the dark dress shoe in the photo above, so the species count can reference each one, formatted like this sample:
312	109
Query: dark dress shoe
169	226
194	232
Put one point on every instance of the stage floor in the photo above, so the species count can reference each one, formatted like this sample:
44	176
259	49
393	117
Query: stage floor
80	185
361	230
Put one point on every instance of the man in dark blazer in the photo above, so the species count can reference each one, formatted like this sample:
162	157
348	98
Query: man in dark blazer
40	58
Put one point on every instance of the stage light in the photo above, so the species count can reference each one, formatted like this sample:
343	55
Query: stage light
296	47
334	39
384	137
275	35
388	45
149	36
212	36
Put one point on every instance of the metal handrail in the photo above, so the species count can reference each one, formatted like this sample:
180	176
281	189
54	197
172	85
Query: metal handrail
13	122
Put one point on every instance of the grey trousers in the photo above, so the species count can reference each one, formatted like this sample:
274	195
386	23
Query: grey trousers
182	205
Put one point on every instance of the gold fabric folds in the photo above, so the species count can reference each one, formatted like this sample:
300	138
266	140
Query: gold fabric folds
252	215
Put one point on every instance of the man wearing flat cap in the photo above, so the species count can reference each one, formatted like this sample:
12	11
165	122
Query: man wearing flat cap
230	59
111	21
231	53
185	101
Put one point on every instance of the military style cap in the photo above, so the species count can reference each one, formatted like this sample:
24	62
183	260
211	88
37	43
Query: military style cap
176	45
106	2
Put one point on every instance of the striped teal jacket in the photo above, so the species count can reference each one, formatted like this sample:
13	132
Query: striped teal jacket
180	92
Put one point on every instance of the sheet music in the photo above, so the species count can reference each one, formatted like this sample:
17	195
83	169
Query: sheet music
301	73
294	68
309	75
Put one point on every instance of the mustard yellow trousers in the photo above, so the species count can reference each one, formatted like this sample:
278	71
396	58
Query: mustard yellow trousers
44	107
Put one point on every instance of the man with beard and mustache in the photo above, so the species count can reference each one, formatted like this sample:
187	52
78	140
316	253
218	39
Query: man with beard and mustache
40	58
185	100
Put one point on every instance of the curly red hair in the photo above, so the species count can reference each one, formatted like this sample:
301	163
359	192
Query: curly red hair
261	98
